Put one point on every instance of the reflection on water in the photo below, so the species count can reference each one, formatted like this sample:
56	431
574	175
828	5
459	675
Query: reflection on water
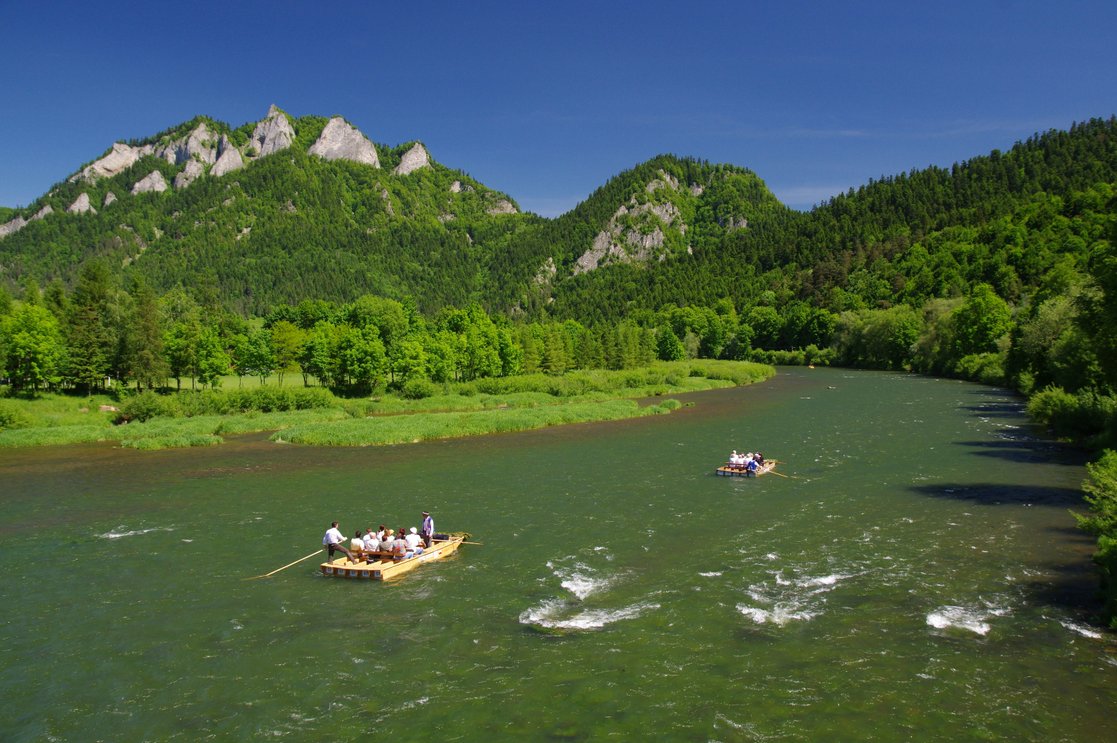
911	572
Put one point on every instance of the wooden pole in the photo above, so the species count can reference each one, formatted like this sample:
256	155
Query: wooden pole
296	562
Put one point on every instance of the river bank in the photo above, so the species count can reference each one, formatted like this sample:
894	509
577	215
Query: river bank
150	421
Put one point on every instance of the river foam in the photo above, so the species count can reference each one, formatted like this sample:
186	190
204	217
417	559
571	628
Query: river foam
135	532
971	619
560	614
582	581
787	600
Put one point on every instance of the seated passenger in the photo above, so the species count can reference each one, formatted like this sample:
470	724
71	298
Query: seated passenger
734	458
372	544
414	541
381	532
357	544
388	542
399	549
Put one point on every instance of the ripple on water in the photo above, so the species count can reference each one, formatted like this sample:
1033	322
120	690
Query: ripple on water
565	615
581	582
785	600
969	618
118	534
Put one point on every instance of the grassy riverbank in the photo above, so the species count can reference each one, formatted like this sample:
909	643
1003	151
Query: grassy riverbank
314	416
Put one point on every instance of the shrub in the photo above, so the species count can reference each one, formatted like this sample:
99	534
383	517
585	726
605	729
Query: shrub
418	389
1082	415
987	368
312	398
11	416
145	406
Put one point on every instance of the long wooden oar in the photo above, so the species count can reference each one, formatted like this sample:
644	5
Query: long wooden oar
296	562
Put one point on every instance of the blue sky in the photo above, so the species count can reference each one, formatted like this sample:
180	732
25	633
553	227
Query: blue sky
547	101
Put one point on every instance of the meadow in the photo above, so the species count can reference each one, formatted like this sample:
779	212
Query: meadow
313	415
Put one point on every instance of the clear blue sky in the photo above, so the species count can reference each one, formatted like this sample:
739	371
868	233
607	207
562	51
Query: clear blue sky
547	101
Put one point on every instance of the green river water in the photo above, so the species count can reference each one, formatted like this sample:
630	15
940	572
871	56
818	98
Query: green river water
916	575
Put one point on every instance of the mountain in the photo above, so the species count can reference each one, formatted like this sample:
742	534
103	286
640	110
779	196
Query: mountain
270	212
286	209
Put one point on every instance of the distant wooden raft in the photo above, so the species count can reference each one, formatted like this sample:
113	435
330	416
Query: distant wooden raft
384	566
740	470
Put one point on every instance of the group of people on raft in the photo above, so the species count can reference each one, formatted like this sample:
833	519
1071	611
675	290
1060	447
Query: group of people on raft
398	544
749	462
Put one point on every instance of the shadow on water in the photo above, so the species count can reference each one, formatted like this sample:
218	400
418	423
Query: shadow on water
1027	449
1000	409
1072	583
999	494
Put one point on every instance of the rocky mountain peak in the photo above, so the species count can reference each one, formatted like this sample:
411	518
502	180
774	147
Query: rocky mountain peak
415	158
341	141
228	158
199	144
273	133
119	159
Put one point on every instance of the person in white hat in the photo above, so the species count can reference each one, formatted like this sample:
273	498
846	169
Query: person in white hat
413	541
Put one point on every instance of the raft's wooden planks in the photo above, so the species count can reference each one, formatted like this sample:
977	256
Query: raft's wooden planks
740	471
388	568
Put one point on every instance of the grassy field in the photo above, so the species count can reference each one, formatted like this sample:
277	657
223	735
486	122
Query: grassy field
315	416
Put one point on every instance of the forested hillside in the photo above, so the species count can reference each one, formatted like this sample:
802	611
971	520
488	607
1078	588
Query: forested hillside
287	226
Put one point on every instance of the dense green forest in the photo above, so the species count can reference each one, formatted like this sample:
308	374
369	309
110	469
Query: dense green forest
1000	269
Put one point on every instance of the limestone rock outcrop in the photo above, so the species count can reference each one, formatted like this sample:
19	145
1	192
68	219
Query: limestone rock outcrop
415	158
272	134
109	198
12	227
19	223
81	205
200	144
341	141
189	174
154	181
228	158
118	160
504	206
622	242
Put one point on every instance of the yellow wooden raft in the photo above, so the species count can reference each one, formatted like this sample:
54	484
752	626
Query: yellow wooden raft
384	566
739	470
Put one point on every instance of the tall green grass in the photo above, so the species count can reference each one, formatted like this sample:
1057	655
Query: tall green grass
403	429
314	415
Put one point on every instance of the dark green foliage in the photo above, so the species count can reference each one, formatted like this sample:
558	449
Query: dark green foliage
418	389
1101	495
147	405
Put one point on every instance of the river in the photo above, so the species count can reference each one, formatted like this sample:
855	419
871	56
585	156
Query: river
912	572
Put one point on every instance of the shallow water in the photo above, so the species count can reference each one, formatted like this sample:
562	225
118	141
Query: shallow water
912	571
